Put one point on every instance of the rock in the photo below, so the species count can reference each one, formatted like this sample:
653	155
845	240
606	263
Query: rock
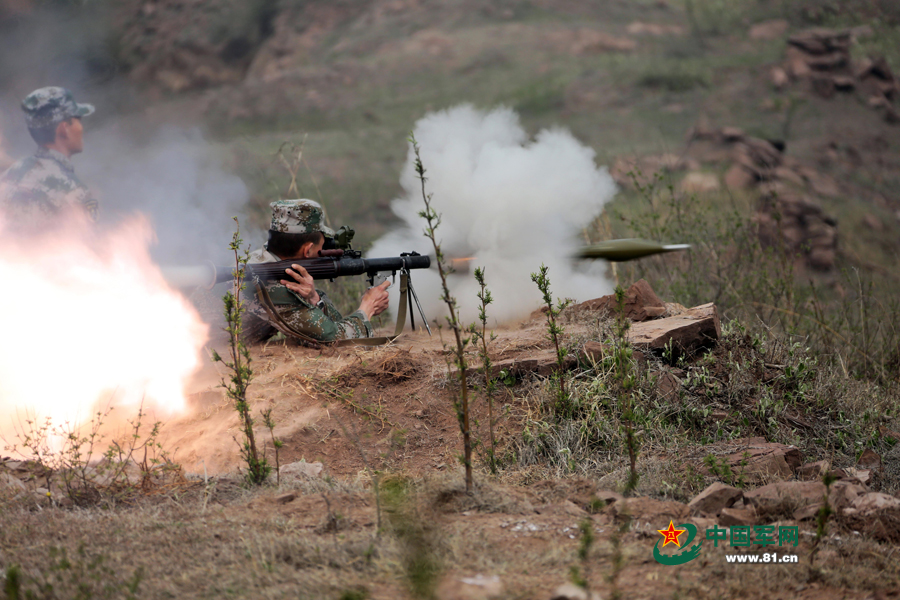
543	363
762	153
779	77
641	303
869	459
703	523
697	328
588	41
608	497
819	41
11	483
732	134
478	587
651	510
821	259
844	493
300	470
802	226
674	309
769	30
699	183
886	433
714	498
737	516
808	512
790	175
838	474
594	352
654	29
863	476
878	69
761	458
797	494
668	387
828	62
755	459
286	498
871	503
566	507
570	591
873	222
172	81
796	64
844	83
813	471
739	178
644	168
823	86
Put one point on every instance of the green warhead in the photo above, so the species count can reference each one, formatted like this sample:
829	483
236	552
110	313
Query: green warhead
628	249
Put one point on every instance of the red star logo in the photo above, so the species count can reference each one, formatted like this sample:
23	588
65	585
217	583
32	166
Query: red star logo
671	534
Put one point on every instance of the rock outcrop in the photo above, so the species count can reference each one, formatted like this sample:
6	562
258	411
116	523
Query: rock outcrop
820	58
641	303
800	226
787	215
696	328
179	45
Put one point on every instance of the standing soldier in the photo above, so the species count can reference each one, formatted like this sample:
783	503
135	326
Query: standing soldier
43	188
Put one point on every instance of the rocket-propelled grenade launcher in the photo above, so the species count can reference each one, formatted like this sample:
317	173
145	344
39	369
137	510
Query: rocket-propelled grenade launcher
628	249
330	264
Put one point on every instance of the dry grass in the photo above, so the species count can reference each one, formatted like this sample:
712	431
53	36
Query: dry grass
249	545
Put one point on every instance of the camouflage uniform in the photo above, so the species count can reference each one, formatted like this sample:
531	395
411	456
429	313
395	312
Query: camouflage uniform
322	322
44	185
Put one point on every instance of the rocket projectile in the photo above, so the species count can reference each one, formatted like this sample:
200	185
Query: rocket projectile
628	249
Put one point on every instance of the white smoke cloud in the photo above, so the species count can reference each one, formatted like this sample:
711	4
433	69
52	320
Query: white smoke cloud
173	176
133	160
511	202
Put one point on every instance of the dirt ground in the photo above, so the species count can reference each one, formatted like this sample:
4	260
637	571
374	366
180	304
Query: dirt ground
372	416
390	406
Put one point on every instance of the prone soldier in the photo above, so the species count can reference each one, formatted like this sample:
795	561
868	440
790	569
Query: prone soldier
298	232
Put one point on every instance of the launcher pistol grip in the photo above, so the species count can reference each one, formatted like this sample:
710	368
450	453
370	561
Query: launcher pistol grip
379	277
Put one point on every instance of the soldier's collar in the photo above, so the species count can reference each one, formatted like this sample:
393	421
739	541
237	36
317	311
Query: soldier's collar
56	155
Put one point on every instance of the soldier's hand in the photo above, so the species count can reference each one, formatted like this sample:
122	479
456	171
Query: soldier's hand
303	284
375	300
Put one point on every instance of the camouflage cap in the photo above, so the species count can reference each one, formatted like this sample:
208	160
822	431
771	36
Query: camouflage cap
299	216
52	105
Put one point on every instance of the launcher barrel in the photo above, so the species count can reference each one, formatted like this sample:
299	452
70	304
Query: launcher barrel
323	267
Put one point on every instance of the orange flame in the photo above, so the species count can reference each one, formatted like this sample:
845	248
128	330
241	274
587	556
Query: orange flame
461	264
86	317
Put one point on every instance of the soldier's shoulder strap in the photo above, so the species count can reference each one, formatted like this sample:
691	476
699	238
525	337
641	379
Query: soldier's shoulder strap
289	330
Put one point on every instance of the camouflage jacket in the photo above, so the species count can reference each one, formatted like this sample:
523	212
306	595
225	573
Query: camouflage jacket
324	323
41	188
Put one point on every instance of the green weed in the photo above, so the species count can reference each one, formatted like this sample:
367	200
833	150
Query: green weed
490	382
461	404
564	407
238	363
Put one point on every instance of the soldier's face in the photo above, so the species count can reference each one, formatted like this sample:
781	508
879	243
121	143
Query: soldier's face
72	135
312	250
